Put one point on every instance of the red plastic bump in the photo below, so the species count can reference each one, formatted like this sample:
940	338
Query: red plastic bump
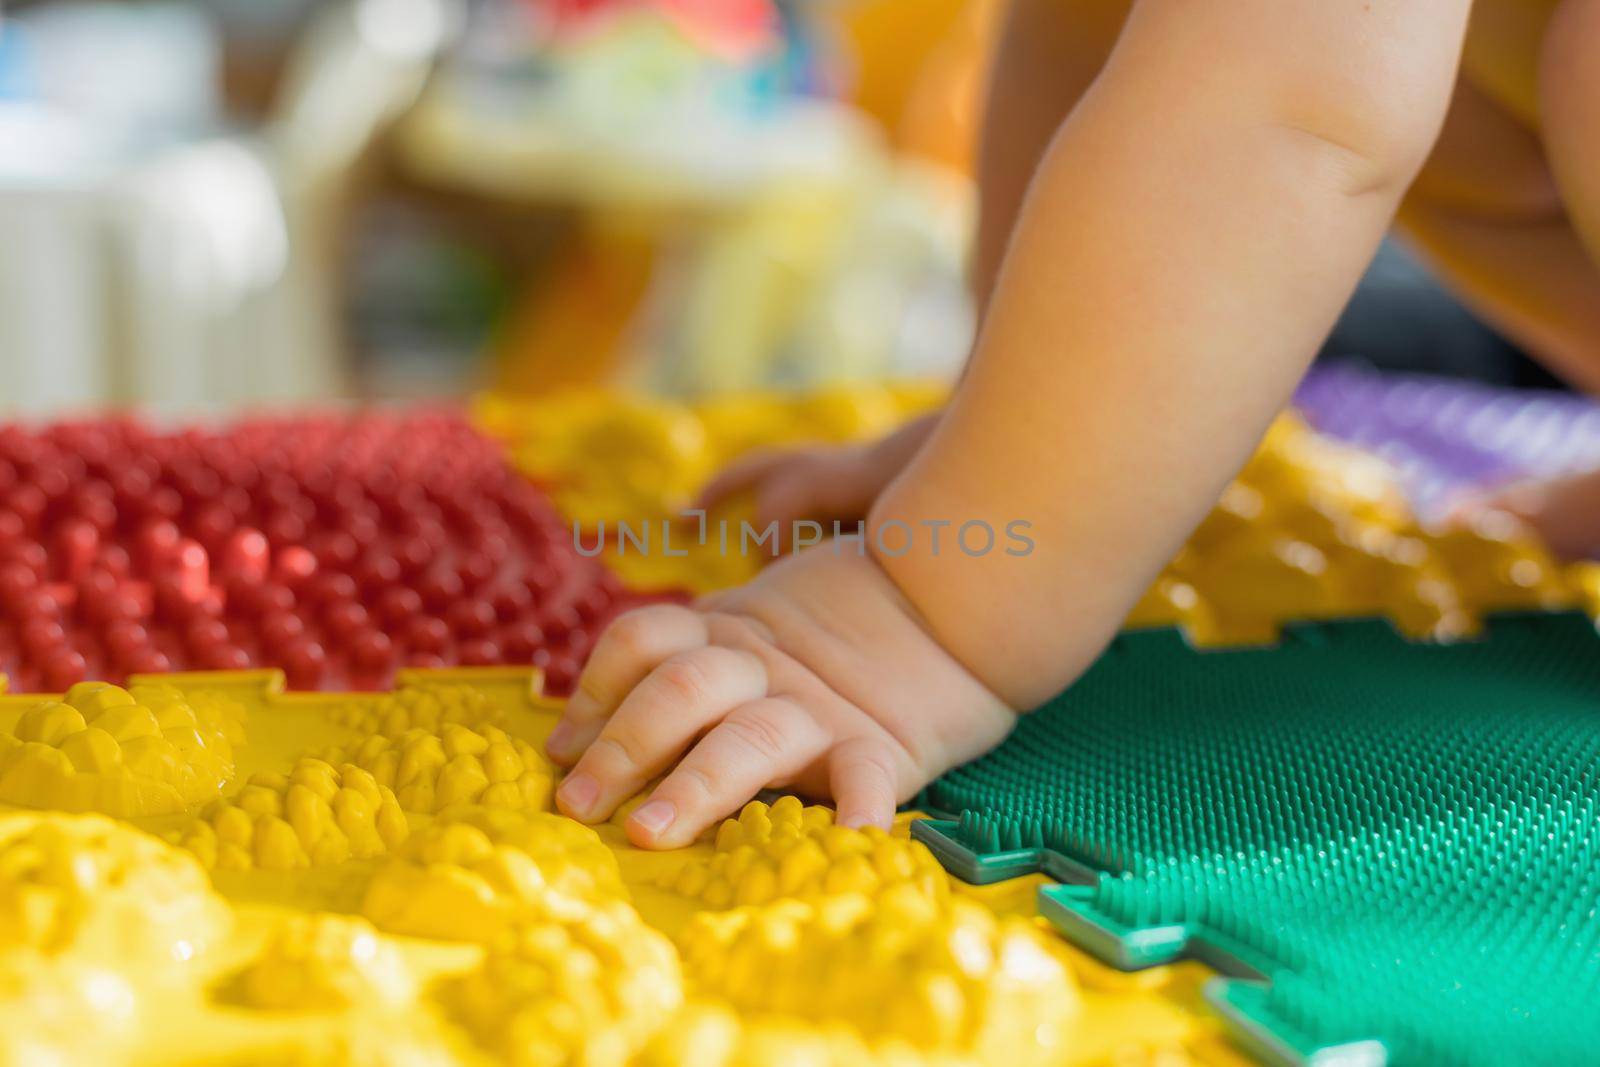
247	555
192	569
335	547
293	565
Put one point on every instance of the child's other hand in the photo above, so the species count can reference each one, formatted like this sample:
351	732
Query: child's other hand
821	483
816	676
1564	511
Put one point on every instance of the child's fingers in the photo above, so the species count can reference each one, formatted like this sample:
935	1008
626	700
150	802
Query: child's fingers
783	499
630	648
655	723
788	490
861	773
758	744
739	476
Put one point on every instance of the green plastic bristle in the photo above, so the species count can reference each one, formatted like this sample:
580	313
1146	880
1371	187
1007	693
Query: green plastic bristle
1402	839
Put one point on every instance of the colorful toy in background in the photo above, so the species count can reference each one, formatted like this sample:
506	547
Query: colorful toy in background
738	219
667	58
737	30
663	152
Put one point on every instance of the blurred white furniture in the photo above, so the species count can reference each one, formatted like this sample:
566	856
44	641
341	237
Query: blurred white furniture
183	274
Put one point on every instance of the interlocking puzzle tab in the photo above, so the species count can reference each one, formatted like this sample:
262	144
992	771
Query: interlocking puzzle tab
1394	836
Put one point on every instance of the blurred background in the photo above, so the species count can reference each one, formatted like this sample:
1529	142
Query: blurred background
247	202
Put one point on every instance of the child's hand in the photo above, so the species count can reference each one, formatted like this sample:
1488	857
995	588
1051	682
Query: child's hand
1563	511
822	483
816	675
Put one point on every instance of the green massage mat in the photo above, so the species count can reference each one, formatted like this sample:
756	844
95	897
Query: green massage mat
1391	848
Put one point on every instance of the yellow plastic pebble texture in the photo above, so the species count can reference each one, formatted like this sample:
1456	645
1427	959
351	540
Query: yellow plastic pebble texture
790	850
313	962
904	968
610	457
430	708
1311	529
317	815
583	983
476	871
100	891
97	920
708	1034
335	928
433	769
104	748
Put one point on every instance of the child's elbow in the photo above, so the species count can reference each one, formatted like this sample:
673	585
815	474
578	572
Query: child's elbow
1358	90
1373	143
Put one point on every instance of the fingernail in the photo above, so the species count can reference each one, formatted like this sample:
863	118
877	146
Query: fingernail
860	820
654	816
560	738
578	794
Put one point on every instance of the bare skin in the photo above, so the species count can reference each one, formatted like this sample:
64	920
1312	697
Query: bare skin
1508	211
1487	211
1178	198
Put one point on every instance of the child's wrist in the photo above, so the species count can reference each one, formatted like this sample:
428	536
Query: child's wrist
905	552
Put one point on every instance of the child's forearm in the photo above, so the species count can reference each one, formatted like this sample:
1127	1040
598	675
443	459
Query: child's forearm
1192	233
1049	54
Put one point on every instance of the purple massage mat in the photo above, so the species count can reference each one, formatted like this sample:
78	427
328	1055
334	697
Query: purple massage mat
1445	436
